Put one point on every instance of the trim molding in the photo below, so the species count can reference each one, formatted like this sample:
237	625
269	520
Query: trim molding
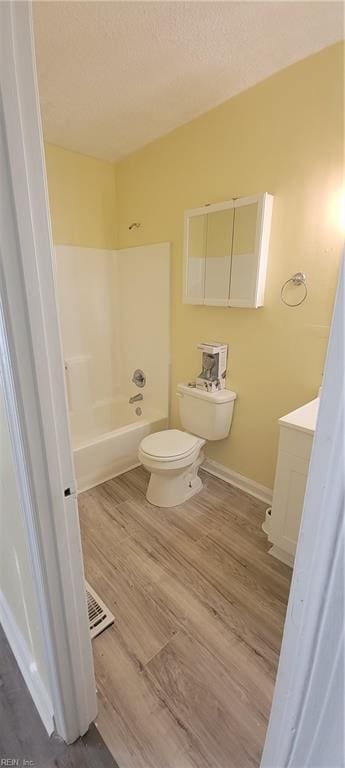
239	481
306	726
27	665
31	362
280	554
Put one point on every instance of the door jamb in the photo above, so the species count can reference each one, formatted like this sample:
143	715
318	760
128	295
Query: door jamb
311	665
32	371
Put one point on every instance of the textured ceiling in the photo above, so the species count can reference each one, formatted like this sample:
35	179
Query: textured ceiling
113	76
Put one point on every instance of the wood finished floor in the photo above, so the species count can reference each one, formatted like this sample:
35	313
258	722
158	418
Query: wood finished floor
185	676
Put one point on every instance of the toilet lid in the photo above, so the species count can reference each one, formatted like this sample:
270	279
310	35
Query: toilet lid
170	443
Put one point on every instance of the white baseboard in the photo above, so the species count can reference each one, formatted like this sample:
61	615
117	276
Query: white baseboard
239	481
281	555
27	665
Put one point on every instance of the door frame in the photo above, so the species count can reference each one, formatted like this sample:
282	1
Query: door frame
311	663
33	380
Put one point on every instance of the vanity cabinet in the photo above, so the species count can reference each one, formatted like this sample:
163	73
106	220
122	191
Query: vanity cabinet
225	252
296	433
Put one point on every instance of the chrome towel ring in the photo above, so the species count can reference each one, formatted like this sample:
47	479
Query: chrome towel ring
299	278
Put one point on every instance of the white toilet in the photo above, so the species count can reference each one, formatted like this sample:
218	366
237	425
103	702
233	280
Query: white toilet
173	457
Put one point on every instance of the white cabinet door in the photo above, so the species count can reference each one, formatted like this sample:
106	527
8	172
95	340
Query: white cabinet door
218	257
244	254
252	224
196	229
288	498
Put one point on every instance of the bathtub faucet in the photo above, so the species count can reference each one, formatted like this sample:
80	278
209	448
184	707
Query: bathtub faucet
136	398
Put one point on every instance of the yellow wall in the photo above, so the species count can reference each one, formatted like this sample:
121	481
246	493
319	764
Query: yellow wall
282	136
82	198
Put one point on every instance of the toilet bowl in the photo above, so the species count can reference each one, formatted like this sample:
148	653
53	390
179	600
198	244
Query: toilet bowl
173	457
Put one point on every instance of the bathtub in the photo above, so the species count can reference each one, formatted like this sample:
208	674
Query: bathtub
106	441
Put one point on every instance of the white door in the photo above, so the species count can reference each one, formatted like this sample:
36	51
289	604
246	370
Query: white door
307	719
34	383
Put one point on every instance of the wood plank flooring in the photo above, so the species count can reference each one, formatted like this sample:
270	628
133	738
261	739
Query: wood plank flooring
185	676
23	737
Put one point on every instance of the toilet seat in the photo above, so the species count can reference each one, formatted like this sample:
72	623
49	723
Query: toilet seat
170	445
173	458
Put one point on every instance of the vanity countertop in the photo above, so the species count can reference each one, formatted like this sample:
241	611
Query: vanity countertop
303	418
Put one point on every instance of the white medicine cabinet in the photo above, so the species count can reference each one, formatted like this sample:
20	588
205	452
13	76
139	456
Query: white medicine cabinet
225	252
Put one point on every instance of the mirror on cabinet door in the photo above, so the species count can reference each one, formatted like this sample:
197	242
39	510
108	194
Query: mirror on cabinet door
244	254
226	248
196	246
218	256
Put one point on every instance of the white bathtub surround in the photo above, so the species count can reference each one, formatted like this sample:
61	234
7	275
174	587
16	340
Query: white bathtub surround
113	320
143	280
84	282
78	380
115	451
295	444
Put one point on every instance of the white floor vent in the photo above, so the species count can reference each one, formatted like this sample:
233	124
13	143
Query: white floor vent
99	616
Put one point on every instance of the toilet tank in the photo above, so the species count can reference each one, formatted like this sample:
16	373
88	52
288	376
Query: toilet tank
206	414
